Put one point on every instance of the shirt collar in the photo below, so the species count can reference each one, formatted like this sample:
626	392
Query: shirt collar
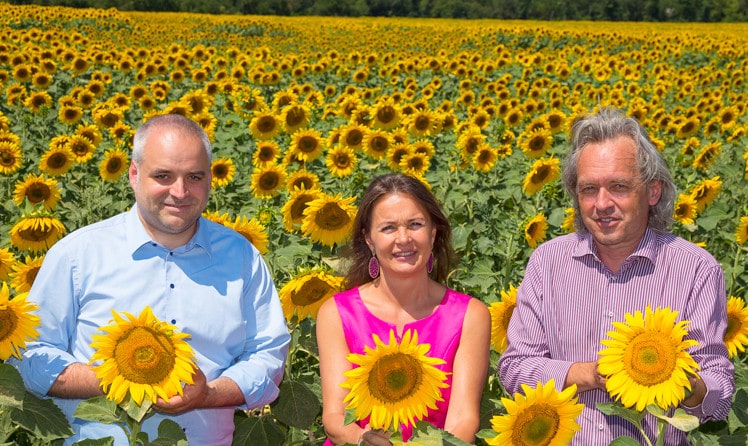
647	248
137	235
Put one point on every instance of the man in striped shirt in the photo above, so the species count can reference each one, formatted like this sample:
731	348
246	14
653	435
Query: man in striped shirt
620	260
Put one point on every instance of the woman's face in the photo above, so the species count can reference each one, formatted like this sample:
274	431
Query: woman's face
401	235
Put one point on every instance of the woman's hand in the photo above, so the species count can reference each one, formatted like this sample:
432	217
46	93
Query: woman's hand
376	437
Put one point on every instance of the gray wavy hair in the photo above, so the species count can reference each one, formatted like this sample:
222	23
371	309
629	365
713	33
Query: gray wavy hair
607	124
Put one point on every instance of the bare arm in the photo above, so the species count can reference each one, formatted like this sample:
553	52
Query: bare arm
78	380
469	373
332	364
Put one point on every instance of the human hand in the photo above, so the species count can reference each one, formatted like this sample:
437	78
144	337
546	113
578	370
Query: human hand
193	396
586	376
376	437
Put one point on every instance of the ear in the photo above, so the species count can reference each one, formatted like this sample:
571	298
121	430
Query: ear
133	174
368	240
655	192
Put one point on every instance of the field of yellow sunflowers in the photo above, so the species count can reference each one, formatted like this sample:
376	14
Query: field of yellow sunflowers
304	111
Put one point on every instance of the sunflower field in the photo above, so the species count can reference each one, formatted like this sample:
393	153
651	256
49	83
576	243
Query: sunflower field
304	111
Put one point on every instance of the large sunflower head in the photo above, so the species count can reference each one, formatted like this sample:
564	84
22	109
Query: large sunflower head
268	181
265	125
36	233
7	260
37	190
543	171
394	383
293	209
736	335
535	230
646	361
142	357
307	145
114	164
305	293
705	192
741	232
329	219
222	172
57	160
11	157
341	161
685	209
252	230
542	416
24	273
501	313
17	323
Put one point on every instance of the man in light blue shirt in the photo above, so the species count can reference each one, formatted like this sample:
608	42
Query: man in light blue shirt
198	275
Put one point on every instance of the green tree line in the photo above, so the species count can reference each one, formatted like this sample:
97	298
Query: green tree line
612	10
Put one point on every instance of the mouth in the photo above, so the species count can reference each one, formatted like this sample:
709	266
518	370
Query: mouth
404	254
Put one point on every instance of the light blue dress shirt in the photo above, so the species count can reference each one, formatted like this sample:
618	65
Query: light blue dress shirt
216	288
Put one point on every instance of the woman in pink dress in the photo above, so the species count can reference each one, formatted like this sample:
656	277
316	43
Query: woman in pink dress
401	257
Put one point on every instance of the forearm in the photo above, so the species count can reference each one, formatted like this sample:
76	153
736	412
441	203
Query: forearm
223	392
78	380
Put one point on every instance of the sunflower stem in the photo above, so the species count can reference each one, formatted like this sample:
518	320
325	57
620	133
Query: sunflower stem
661	424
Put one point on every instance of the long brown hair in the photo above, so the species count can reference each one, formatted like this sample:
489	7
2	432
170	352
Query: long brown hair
359	252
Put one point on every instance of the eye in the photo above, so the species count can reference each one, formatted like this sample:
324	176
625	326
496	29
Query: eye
416	225
588	190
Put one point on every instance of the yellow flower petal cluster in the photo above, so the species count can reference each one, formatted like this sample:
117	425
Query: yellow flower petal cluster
646	360
394	383
540	416
142	357
17	323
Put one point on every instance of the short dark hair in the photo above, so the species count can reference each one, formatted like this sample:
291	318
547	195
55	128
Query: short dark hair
359	252
173	121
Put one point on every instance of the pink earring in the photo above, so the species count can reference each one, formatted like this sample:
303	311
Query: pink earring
373	266
430	264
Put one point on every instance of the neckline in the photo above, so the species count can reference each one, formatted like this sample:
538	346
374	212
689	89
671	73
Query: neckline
392	326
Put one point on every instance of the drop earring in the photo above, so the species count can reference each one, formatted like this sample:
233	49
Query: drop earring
430	264
373	266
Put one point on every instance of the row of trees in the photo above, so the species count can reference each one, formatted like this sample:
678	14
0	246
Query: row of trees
614	10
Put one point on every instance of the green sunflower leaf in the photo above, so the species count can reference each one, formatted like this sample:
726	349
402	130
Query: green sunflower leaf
42	418
624	441
680	419
616	408
11	387
296	406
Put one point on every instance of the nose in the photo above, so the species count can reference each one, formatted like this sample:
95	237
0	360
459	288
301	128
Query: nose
403	235
603	200
179	189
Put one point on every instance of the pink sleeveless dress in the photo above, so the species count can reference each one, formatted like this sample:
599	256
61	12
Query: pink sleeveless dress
442	330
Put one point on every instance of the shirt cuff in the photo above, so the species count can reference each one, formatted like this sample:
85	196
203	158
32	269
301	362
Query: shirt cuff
709	403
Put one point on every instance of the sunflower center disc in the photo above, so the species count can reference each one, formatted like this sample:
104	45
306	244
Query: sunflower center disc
650	359
537	425
8	322
331	217
144	356
395	377
312	291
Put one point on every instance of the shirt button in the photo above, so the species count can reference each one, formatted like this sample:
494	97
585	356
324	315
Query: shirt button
171	286
600	427
173	322
610	314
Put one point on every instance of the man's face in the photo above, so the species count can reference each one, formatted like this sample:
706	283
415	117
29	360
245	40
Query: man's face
171	185
613	200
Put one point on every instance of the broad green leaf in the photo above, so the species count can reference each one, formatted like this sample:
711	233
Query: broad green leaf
680	419
624	441
42	418
99	409
296	405
170	434
257	431
615	408
11	387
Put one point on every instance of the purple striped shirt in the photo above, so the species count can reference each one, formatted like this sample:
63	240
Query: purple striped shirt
568	300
